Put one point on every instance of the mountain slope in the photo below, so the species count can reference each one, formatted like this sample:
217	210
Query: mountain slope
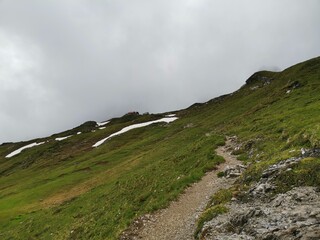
69	190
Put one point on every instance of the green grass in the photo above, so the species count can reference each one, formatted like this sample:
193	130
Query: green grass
132	177
215	207
208	215
68	190
220	197
306	172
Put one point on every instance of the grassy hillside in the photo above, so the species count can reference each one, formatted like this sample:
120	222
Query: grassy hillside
69	190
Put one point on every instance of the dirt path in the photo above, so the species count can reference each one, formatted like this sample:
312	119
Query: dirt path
178	221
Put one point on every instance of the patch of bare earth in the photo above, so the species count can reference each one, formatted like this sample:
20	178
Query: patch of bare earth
178	221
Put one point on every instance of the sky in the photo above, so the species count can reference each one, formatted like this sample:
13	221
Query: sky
66	62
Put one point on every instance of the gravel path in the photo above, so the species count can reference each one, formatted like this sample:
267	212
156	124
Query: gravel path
178	221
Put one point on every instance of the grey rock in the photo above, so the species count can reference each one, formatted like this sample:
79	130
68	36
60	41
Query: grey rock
292	215
233	172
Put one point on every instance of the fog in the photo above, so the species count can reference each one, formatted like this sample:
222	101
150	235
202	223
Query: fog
66	62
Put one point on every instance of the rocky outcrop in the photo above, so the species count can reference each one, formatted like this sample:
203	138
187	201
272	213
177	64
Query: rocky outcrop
293	215
235	171
265	184
259	78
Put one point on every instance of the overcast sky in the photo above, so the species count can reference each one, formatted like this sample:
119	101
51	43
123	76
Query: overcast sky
66	62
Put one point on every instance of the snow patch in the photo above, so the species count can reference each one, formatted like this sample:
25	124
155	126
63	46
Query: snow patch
138	125
102	123
62	138
22	148
171	115
79	133
101	128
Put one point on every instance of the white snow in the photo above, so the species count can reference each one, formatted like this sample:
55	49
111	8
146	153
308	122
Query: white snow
287	92
62	138
101	128
138	125
22	148
171	115
79	133
102	123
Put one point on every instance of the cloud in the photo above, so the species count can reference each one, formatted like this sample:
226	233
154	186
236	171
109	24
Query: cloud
65	62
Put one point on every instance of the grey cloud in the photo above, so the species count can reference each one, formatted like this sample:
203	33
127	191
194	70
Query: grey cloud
65	62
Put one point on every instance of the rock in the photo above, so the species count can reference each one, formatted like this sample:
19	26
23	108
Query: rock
263	188
295	84
233	175
292	215
315	152
258	78
189	125
233	172
265	184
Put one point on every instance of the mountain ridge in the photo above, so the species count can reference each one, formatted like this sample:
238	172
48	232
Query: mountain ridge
69	190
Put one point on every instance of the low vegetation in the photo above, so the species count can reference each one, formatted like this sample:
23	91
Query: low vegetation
306	172
68	190
209	214
215	207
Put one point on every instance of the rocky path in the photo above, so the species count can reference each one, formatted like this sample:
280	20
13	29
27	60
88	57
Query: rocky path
178	220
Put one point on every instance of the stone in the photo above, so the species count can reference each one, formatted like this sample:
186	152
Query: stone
281	218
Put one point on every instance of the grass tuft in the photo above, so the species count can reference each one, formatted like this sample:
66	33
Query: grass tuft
208	215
